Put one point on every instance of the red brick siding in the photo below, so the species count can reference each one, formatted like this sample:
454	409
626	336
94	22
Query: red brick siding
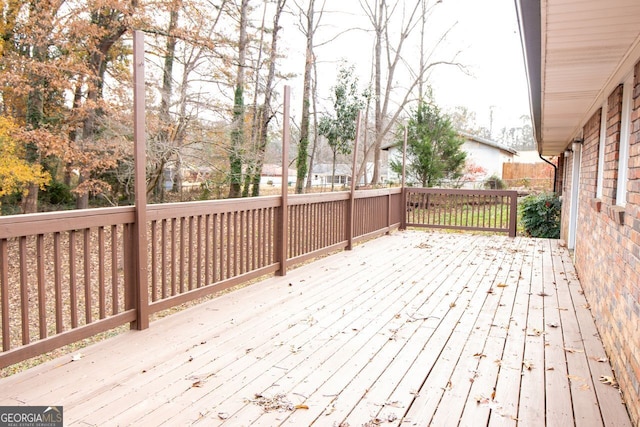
607	253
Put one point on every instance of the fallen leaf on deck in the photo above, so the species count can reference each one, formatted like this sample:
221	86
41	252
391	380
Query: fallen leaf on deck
552	325
480	399
600	359
480	355
453	304
575	378
197	384
605	379
534	333
543	294
223	415
77	357
502	285
585	387
573	350
302	406
391	418
490	291
528	365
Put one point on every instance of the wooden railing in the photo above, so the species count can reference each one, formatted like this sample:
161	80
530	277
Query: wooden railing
489	210
70	275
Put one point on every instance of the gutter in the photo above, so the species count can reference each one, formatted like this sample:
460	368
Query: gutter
555	171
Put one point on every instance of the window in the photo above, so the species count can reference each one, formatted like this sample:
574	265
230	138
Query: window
625	134
601	148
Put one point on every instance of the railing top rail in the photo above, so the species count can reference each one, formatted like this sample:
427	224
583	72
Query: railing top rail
301	199
182	209
49	222
435	190
376	192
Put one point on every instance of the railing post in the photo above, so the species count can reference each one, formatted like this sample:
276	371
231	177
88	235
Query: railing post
513	214
352	196
283	223
403	198
141	255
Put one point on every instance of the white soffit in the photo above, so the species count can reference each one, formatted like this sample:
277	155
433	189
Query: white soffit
587	46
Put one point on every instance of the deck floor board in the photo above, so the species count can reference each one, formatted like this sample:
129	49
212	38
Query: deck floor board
410	329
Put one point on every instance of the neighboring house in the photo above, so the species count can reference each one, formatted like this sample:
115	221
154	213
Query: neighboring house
486	154
583	66
272	175
322	173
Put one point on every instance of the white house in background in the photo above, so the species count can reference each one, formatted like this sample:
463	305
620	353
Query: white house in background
272	175
488	155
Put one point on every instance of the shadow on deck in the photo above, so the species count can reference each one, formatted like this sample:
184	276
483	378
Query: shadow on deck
414	328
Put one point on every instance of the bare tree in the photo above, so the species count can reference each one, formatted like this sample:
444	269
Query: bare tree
388	55
264	113
308	25
237	134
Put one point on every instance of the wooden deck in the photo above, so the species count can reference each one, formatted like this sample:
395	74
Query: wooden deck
411	329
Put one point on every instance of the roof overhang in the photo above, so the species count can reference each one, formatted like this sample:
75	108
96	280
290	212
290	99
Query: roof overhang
576	53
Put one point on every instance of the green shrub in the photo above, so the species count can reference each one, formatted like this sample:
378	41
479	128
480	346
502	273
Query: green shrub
540	215
494	182
56	193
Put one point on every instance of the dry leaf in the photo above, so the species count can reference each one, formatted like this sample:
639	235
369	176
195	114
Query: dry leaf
552	325
453	304
573	350
528	365
301	406
585	387
480	399
605	379
197	384
480	355
490	291
543	294
223	415
502	285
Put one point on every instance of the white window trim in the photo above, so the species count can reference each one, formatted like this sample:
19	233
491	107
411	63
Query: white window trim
601	148
625	135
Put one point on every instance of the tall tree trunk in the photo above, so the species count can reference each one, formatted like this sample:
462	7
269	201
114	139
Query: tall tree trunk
237	135
109	21
333	170
265	112
314	147
303	146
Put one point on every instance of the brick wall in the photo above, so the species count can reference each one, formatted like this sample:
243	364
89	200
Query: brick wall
607	252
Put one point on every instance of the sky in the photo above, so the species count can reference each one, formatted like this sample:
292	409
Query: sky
484	32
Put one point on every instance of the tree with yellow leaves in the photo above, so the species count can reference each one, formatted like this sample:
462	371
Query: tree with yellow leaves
16	174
